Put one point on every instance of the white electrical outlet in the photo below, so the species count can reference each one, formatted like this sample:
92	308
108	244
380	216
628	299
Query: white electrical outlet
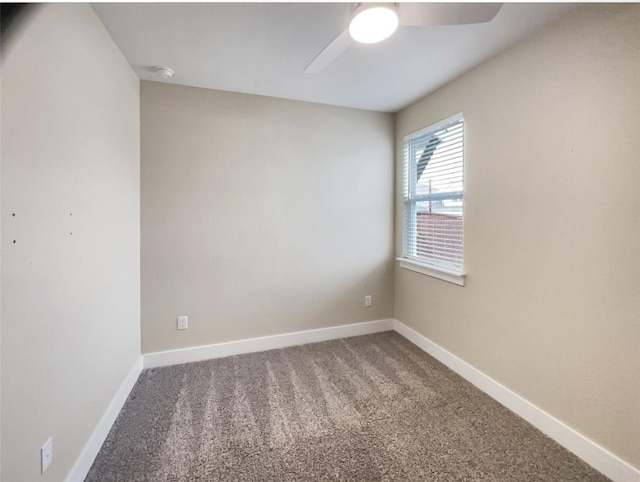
183	322
46	455
367	300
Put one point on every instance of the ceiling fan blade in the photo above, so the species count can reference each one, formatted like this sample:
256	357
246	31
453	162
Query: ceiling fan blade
431	14
329	53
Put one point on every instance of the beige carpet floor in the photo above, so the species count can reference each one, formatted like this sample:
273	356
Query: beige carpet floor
367	408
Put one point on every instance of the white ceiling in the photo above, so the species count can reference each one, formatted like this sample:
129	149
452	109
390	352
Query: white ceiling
263	49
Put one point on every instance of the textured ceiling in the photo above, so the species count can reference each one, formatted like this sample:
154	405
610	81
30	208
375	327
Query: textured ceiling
263	49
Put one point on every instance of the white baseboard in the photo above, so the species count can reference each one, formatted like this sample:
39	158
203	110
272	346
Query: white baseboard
598	457
218	350
92	447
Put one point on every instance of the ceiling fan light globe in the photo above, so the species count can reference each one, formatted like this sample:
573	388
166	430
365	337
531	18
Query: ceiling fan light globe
373	24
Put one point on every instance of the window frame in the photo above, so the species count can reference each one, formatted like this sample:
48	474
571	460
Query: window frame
412	262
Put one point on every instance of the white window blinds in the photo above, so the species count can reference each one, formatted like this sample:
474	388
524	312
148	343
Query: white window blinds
433	195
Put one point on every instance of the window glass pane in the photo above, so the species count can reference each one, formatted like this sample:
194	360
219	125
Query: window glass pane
433	180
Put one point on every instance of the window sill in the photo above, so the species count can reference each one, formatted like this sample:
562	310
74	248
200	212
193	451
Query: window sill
422	268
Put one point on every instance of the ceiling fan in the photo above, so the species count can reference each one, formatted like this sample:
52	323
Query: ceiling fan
374	22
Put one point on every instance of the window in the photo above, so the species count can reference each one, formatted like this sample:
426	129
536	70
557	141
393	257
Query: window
433	200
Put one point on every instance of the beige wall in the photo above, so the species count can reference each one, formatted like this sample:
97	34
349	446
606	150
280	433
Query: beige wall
552	224
261	216
70	302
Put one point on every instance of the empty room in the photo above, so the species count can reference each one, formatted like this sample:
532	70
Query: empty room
320	241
